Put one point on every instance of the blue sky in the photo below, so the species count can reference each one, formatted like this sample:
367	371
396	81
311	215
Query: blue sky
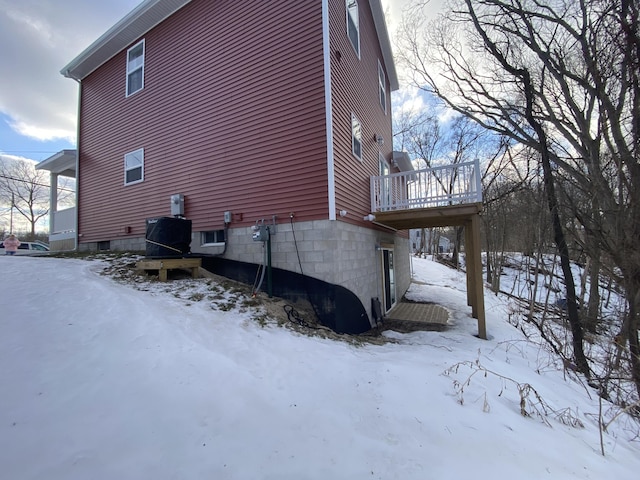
38	106
15	144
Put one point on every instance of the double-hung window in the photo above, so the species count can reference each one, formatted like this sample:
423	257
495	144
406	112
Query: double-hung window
353	25
356	137
135	68
134	167
382	89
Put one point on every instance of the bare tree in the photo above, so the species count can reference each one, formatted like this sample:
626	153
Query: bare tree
432	142
25	190
562	77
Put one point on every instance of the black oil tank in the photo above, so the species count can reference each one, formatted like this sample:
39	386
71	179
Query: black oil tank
168	237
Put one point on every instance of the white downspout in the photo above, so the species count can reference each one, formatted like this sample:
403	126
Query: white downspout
75	237
326	49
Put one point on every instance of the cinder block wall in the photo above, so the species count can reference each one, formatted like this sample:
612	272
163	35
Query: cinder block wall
334	251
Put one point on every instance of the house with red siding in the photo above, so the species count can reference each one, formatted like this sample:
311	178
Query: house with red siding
247	115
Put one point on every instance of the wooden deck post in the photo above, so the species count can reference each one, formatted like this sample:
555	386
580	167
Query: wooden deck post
478	289
468	243
464	214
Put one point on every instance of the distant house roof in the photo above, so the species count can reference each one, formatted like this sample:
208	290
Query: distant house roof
63	163
152	12
402	161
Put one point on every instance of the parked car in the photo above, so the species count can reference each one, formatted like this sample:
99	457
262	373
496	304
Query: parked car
28	248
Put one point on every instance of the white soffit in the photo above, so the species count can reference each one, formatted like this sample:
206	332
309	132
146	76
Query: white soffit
403	162
385	44
62	162
133	26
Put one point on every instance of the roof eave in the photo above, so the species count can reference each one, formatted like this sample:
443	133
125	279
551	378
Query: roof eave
402	161
62	163
134	25
385	43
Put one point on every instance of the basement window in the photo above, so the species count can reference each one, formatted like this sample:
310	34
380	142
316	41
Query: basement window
135	68
134	167
212	238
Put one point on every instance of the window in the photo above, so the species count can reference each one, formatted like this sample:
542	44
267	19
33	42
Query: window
135	68
353	25
212	237
134	167
356	136
382	89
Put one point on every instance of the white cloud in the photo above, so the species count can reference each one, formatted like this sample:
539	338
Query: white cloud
39	37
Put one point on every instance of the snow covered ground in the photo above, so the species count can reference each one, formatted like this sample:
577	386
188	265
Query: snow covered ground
101	380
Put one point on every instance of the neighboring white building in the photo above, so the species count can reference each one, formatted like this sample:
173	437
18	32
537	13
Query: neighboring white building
416	241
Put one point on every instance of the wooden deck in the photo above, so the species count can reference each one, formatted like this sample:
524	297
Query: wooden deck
449	216
461	215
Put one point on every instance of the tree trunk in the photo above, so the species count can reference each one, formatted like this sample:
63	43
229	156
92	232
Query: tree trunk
632	324
593	305
456	246
580	359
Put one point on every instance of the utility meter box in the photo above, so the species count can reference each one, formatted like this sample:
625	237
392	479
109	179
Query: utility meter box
261	233
177	205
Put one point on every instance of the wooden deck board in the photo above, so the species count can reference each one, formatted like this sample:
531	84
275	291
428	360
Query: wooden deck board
163	266
449	216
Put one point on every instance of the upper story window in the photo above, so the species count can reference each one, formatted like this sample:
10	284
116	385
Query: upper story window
135	68
353	25
382	89
134	166
356	136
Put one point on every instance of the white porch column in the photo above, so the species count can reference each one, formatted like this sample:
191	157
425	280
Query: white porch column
53	201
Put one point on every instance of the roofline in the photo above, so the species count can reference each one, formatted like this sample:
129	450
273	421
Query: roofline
385	43
62	161
134	25
150	13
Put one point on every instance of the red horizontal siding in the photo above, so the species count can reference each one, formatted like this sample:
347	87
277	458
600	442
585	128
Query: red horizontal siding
355	90
232	116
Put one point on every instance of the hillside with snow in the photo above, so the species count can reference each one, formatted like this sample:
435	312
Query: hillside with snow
108	379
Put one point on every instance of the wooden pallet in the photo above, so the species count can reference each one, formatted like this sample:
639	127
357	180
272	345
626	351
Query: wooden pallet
165	264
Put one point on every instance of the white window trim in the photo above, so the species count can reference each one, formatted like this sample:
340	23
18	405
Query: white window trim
356	23
212	244
141	67
382	88
140	152
355	119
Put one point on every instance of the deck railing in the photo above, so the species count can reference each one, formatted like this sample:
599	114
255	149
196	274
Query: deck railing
62	224
455	184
